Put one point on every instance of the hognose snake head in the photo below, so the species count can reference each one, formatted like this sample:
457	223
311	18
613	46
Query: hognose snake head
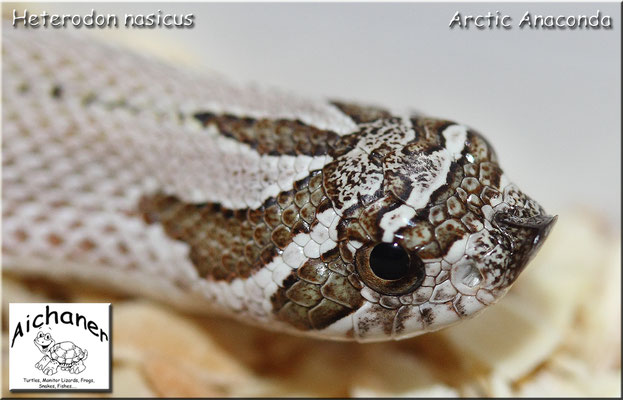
432	228
320	218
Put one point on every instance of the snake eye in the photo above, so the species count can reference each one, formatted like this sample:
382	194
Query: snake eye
389	269
389	261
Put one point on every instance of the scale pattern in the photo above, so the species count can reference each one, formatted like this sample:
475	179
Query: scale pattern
122	171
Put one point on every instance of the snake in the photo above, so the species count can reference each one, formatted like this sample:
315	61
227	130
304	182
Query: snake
319	217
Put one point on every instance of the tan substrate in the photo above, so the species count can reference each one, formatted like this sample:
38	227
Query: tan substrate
556	333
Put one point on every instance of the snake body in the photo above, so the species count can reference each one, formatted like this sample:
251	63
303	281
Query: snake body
316	217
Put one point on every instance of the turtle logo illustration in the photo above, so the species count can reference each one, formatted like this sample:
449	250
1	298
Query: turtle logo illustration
65	355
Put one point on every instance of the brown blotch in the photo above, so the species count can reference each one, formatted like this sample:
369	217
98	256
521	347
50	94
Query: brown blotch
223	243
104	261
251	252
326	313
338	289
304	294
279	298
272	216
268	253
301	198
55	240
40	218
300	226
315	182
59	204
360	113
304	147
324	205
281	237
370	217
308	213
110	228
290	215
272	137
234	243
301	184
200	261
228	261
21	235
344	145
316	197
355	281
295	315
261	234
255	215
429	131
313	271
87	245
23	87
346	254
339	266
284	199
330	255
132	266
352	229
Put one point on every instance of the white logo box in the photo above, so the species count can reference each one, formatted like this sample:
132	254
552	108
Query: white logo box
60	346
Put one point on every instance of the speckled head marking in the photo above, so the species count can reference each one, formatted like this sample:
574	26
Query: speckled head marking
432	227
428	232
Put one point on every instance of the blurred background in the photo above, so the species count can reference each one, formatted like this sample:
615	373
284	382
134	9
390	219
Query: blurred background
548	100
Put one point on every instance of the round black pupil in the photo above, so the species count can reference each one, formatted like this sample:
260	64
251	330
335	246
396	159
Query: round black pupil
389	261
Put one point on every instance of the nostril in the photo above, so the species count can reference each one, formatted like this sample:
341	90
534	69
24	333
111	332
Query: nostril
535	228
545	228
526	235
